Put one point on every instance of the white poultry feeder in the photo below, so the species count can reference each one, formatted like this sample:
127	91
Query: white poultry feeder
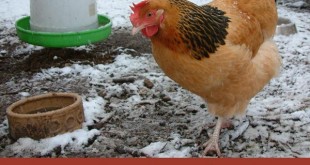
285	27
63	15
63	23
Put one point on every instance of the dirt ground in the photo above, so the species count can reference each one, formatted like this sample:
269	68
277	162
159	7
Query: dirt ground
122	134
23	65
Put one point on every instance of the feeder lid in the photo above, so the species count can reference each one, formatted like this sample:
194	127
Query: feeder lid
63	39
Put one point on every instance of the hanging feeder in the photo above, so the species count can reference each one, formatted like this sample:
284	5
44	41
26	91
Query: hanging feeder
63	23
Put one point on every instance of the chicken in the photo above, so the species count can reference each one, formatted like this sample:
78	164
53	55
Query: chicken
222	51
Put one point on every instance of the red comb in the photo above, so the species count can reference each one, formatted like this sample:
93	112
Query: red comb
136	7
134	17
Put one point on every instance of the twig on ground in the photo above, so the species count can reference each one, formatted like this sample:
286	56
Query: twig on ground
13	92
101	123
287	146
124	80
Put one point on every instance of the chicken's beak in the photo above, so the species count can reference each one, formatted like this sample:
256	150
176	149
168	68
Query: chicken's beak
135	30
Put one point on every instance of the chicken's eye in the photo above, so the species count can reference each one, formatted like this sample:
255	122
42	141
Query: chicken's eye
150	14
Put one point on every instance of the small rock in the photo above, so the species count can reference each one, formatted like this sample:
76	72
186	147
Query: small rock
102	93
165	98
143	91
147	83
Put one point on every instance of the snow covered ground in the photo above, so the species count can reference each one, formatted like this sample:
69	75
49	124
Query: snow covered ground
277	123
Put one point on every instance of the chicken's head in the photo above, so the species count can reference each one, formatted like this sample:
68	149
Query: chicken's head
146	19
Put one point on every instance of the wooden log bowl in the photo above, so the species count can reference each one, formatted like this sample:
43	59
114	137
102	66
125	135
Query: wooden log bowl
45	115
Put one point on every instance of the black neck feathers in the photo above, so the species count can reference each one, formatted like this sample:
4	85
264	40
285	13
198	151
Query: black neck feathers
202	28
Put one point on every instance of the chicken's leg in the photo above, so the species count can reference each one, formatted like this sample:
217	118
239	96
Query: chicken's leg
213	143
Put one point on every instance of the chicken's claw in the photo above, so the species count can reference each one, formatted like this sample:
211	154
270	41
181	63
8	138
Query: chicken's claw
212	145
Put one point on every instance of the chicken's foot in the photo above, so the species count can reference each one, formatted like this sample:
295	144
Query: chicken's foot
213	143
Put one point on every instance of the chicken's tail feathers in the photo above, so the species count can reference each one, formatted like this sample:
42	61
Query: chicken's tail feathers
268	59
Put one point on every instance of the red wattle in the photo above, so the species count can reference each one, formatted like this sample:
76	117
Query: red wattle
150	31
